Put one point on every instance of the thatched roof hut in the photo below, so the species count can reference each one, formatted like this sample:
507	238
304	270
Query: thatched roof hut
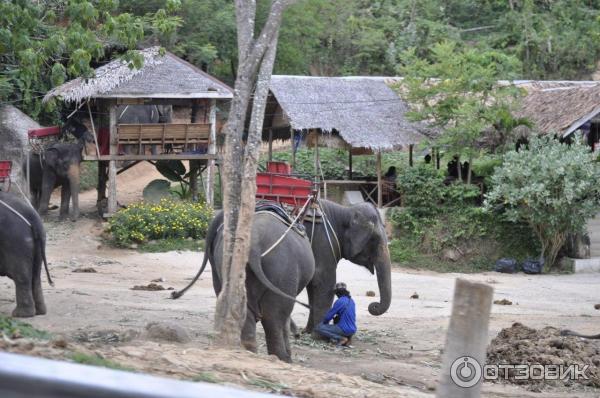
364	111
14	125
559	107
162	76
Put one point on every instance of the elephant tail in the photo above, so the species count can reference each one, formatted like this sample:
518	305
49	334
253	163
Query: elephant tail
262	277
40	246
179	293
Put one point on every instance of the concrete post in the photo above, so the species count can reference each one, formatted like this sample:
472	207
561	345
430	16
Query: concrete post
466	341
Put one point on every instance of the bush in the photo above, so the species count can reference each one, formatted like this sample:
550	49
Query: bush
166	220
437	217
553	187
422	189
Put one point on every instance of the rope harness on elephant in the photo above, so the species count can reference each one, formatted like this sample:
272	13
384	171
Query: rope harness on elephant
35	237
9	207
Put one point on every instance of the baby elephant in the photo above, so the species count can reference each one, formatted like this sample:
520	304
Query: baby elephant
22	250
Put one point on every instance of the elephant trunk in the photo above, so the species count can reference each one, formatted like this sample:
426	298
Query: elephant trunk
383	269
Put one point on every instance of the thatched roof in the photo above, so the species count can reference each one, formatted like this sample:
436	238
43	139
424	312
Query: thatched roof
363	110
165	76
559	107
14	125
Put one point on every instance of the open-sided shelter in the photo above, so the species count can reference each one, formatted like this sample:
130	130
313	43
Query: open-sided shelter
360	114
562	107
164	79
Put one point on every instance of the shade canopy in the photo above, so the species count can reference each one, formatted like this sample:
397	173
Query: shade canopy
364	111
162	76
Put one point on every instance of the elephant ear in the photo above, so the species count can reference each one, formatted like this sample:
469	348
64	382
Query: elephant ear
358	233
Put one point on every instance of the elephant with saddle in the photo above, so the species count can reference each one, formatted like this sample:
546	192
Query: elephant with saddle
59	166
356	233
22	252
273	278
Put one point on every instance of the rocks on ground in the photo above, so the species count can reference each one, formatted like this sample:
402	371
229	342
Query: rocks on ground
167	332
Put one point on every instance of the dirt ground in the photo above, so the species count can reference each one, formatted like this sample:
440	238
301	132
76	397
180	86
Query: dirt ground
396	354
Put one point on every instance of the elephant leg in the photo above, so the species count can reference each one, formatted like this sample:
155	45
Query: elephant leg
25	304
74	188
65	197
286	337
38	295
249	333
48	181
275	336
320	297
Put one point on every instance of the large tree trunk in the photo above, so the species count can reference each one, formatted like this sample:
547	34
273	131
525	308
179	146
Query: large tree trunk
256	55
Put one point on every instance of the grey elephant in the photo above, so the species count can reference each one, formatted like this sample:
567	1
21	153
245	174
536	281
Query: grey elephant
22	252
356	233
59	166
272	281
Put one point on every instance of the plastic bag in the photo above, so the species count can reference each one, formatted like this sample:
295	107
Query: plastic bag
531	266
506	265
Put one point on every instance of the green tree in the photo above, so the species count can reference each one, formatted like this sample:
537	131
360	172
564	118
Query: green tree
458	91
43	43
551	186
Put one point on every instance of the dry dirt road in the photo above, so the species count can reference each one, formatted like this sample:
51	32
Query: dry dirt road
396	354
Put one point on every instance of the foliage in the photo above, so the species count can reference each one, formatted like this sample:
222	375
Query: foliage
334	162
44	43
458	91
437	218
88	176
13	329
97	360
168	245
420	187
157	190
143	222
551	186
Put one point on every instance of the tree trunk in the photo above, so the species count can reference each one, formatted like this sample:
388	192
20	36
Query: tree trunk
256	56
469	173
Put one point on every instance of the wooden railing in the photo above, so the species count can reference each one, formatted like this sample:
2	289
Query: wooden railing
163	133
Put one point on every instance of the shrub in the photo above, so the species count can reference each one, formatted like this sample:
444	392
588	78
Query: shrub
422	189
553	187
165	220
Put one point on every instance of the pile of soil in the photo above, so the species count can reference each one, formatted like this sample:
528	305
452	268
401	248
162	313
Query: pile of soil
520	344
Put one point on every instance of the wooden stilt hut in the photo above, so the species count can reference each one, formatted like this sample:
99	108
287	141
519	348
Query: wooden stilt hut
360	114
163	80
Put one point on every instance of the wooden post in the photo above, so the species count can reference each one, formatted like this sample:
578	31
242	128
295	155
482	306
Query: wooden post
317	169
410	155
212	149
112	164
194	165
350	163
466	341
379	182
270	144
293	148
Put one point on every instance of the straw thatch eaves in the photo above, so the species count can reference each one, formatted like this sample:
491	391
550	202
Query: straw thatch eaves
363	110
559	107
162	76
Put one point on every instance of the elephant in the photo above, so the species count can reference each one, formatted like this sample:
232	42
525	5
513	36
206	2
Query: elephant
58	165
356	233
22	251
272	281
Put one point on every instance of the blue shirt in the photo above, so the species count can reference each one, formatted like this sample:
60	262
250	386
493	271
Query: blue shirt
344	307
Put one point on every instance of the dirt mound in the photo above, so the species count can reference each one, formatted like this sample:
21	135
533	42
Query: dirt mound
522	345
241	369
